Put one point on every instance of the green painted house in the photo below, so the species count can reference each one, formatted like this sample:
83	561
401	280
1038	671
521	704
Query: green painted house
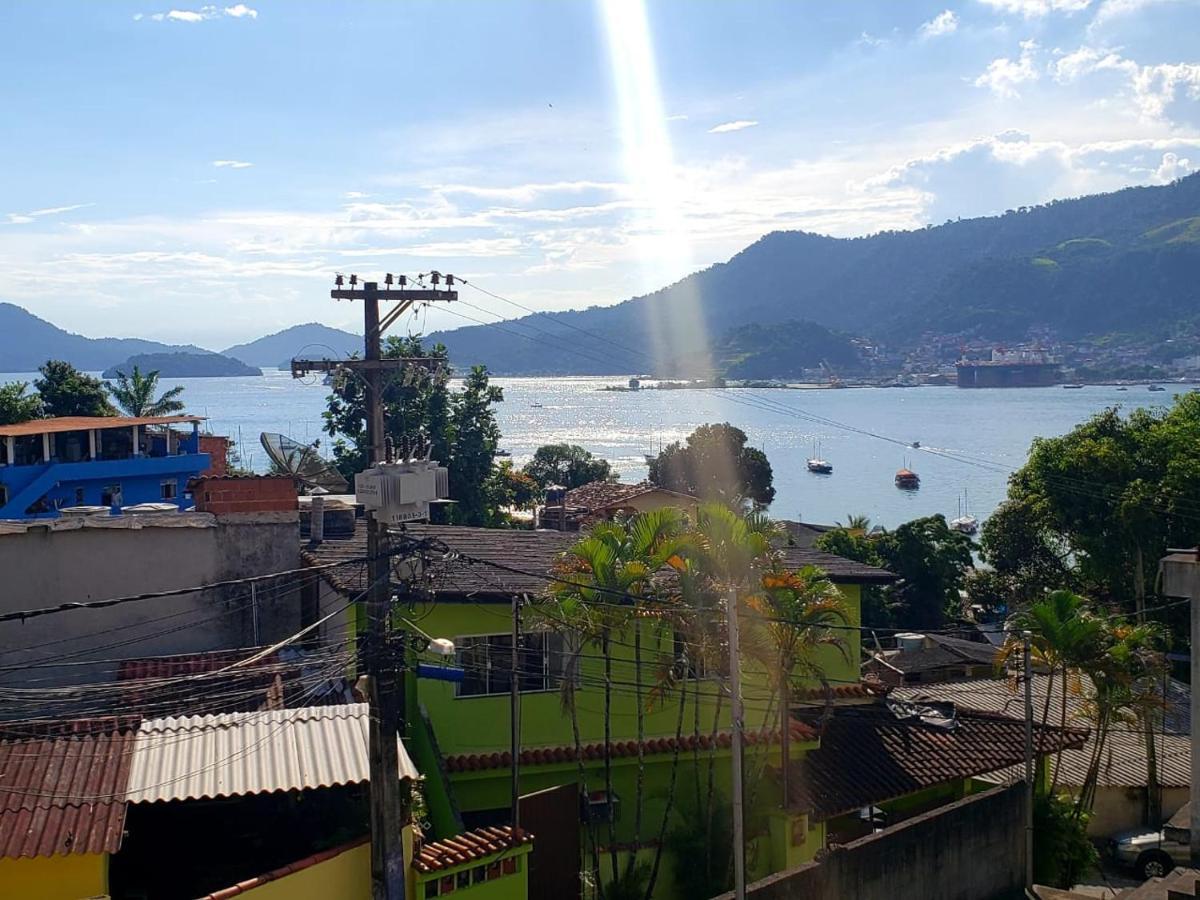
842	736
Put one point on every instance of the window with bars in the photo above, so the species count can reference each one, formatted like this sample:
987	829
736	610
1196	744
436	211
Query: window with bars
487	663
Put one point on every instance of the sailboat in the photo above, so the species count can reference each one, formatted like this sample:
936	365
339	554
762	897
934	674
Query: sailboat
965	523
817	465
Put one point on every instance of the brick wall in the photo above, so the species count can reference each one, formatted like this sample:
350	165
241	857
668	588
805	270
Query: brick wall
972	849
217	447
236	494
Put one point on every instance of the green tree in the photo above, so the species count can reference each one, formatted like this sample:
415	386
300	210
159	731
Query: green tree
66	391
18	406
568	465
510	487
472	436
931	559
135	395
714	463
416	408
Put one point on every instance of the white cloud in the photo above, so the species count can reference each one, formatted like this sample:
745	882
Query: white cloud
1117	9
1032	9
27	217
1003	75
355	195
231	164
1153	89
945	22
866	39
726	127
204	13
1172	166
679	117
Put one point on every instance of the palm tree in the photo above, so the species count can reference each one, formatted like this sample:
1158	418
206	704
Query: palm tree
606	579
1065	637
858	524
135	395
796	614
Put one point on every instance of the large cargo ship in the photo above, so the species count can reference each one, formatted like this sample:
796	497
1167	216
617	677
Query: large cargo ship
1009	368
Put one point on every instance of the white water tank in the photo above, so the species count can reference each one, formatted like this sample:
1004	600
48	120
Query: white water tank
910	640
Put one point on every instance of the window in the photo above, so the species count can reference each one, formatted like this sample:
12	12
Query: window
169	487
487	661
110	495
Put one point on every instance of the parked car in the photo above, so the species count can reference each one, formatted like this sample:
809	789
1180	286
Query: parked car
1152	854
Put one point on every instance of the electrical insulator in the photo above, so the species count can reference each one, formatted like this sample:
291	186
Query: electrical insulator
403	281
449	281
387	279
353	280
435	278
339	281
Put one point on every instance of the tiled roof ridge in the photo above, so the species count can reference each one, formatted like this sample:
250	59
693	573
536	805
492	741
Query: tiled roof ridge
868	688
564	753
467	846
237	719
283	871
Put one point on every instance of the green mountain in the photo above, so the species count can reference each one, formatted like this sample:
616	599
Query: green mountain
783	350
27	341
311	340
184	365
1084	266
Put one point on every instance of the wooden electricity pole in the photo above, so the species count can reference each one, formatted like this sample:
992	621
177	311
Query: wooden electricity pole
390	798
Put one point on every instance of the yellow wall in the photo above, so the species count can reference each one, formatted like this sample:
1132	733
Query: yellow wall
68	877
347	876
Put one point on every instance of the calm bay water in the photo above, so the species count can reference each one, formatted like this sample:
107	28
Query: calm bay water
988	426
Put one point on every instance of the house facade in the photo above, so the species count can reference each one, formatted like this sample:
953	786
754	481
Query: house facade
47	465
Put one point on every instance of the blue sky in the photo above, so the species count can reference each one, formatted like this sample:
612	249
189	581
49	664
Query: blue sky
197	173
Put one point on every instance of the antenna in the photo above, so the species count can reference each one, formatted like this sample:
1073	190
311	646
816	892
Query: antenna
303	463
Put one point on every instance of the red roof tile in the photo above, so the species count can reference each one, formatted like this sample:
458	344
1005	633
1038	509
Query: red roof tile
467	847
57	793
596	495
538	756
283	871
868	755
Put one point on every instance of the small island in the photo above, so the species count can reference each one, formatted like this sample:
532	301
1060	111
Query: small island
184	365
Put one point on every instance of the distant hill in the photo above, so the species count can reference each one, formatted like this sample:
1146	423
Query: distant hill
311	340
27	341
1088	266
184	365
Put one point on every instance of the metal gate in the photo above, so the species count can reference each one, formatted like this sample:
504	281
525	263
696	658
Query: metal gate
552	817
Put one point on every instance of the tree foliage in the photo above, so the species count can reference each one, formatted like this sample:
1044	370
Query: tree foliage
65	391
135	394
714	463
568	465
18	406
1095	507
422	415
931	559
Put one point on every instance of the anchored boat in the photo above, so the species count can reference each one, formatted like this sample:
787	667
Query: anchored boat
907	480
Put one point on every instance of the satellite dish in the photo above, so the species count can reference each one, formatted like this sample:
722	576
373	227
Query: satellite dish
303	463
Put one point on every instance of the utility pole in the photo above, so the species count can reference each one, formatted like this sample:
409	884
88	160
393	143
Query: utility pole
1027	670
390	798
1180	574
515	716
737	716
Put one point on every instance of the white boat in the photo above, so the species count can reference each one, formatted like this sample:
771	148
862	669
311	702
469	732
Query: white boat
817	465
965	523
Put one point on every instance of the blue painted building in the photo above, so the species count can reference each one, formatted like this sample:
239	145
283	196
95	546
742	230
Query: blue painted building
47	465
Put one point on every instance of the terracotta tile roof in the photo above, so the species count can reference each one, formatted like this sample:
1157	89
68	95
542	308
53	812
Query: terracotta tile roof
534	552
84	423
64	793
867	689
943	652
868	755
597	495
1123	762
467	847
186	664
283	871
535	756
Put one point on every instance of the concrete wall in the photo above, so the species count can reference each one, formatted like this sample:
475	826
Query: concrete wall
1120	808
59	877
972	849
346	875
63	561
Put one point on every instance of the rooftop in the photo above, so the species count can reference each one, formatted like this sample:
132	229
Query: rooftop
86	423
467	847
252	753
939	652
64	793
1124	760
534	553
597	495
869	755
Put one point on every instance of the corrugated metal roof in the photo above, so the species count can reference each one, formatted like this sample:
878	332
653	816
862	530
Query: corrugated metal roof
228	755
64	793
